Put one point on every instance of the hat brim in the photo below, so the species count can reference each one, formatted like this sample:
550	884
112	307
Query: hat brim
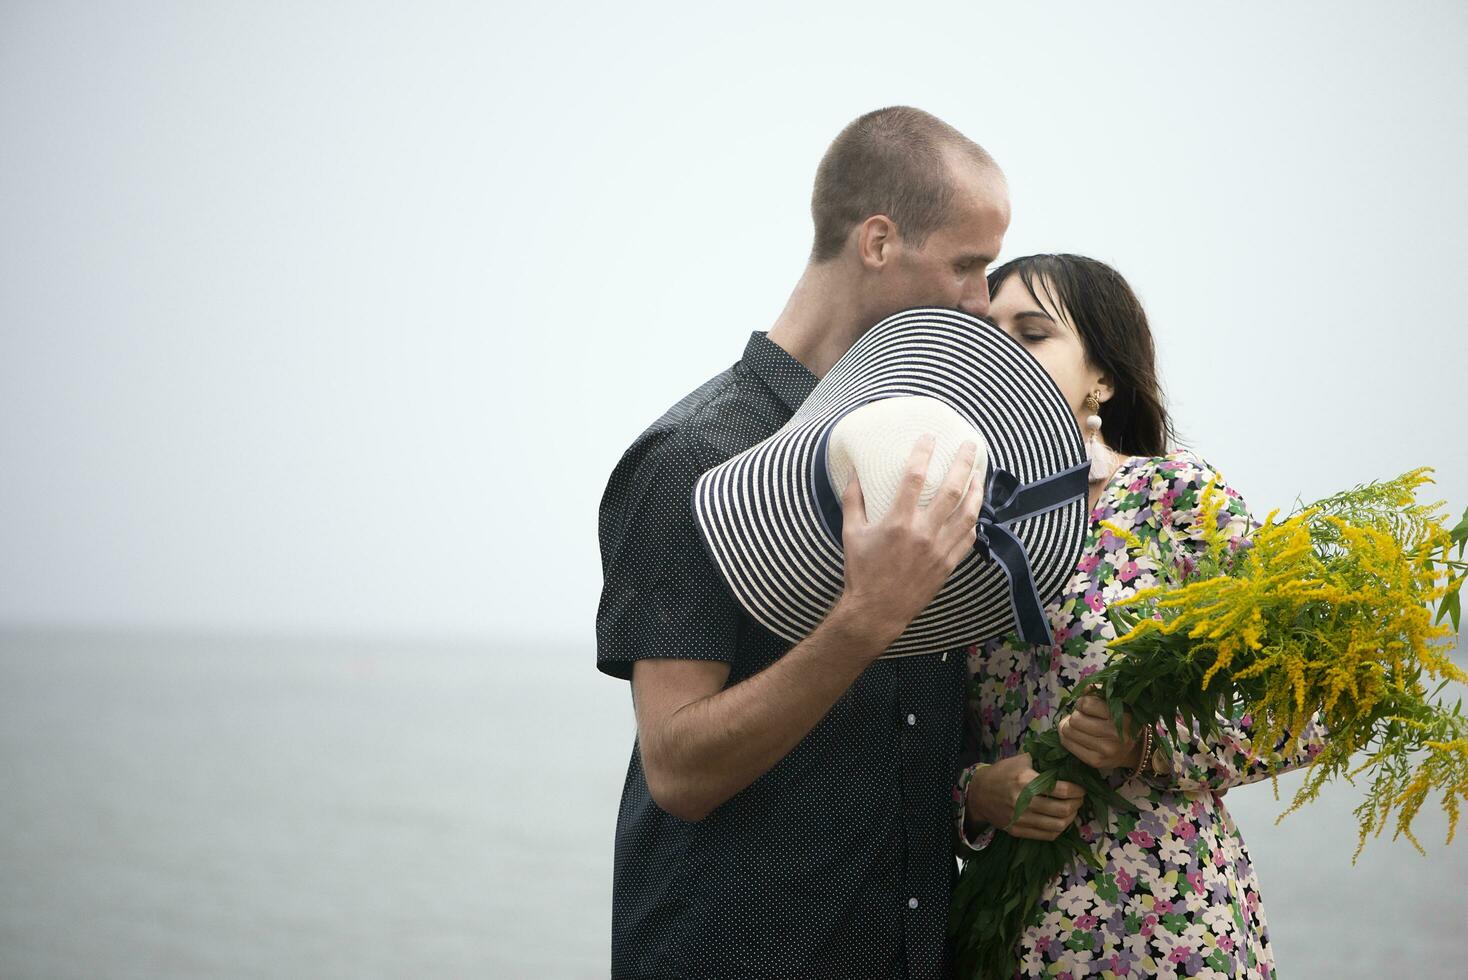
759	517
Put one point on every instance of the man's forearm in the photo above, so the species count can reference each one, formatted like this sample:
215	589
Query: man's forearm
709	749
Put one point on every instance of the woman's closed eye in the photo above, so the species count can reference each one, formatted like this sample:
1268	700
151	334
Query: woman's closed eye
1032	327
1029	334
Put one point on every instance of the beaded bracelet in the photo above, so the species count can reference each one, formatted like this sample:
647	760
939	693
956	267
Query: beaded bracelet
1146	756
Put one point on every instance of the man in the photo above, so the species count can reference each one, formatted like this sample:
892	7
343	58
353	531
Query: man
787	810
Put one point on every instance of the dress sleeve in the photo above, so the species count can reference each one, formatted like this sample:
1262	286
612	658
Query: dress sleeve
1228	758
965	844
661	594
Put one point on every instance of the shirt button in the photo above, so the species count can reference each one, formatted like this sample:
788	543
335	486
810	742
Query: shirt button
912	719
912	903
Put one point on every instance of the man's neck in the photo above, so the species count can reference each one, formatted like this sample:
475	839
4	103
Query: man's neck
822	318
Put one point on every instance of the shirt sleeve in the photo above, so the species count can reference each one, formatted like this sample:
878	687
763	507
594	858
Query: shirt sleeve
661	594
1228	758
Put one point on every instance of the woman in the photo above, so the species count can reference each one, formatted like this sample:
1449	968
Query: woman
1176	894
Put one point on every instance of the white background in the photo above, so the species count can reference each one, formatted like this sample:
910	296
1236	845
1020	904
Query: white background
333	319
330	321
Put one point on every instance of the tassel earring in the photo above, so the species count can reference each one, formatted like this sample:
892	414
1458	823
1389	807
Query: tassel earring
1103	460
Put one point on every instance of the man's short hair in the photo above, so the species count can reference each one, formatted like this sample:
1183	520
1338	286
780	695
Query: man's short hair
890	161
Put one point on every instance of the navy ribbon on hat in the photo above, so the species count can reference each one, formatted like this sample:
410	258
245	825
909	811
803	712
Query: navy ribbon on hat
1005	501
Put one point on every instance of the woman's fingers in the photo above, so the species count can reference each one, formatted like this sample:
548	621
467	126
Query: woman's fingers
1086	725
1077	741
1036	827
1039	827
1082	746
1049	806
1089	734
1048	814
1091	725
995	790
1094	716
1046	807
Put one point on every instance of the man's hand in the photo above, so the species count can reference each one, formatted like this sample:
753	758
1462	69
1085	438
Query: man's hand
1090	735
896	566
994	789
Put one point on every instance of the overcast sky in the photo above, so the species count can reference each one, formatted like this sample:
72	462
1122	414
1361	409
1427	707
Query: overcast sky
335	318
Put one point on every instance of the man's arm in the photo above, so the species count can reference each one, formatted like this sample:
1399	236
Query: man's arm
702	743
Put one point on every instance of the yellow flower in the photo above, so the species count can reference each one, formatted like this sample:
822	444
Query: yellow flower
1328	611
1125	534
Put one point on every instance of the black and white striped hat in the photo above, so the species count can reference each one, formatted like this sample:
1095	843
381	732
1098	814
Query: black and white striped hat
771	516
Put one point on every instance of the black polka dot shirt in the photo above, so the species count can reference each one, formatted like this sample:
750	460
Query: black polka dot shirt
838	861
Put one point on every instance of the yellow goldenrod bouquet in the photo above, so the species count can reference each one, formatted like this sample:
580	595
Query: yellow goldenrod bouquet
1333	615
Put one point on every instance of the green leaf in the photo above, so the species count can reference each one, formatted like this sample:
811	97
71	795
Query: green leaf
1451	607
1460	532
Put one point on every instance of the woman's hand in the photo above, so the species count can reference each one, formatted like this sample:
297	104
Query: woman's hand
994	789
1089	734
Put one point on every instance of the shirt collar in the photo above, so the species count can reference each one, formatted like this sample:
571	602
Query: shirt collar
786	377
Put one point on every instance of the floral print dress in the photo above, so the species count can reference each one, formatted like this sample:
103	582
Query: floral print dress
1177	895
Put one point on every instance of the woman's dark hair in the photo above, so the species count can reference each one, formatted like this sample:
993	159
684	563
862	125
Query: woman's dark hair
1114	331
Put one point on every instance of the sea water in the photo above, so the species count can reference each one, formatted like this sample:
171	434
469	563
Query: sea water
210	806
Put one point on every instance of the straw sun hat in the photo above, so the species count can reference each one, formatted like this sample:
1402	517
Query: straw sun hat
771	516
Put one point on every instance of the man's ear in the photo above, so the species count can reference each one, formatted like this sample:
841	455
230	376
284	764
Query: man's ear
876	241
